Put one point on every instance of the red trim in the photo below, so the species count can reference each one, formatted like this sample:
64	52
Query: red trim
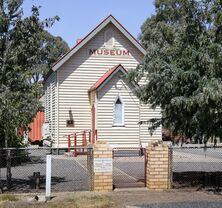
75	145
69	143
102	79
87	36
93	112
89	136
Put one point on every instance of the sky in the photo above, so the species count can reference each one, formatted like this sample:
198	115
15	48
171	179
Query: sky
79	17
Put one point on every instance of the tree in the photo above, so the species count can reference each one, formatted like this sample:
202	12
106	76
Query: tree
20	50
52	48
183	66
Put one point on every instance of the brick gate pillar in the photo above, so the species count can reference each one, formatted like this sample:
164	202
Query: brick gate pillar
100	167
159	167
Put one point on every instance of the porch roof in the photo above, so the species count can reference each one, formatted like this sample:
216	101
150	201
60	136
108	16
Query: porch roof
106	76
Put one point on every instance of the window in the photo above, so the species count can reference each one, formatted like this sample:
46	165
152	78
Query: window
118	113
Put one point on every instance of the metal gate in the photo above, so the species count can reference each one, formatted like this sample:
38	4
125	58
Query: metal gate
70	173
129	167
28	170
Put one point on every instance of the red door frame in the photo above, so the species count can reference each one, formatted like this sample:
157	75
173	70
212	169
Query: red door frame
93	112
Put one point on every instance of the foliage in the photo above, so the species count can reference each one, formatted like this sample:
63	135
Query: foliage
51	49
183	66
20	50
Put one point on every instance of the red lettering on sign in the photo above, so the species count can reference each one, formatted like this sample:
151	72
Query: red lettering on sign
119	53
126	53
99	52
92	51
112	52
108	52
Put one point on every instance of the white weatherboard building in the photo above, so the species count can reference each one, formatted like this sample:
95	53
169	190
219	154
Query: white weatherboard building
87	89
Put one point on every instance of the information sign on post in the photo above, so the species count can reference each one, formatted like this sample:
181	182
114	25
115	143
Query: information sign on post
103	165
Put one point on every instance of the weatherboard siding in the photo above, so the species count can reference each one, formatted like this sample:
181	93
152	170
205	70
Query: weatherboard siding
79	73
118	135
51	104
147	113
133	113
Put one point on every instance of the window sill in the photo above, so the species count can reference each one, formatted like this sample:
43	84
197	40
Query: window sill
118	125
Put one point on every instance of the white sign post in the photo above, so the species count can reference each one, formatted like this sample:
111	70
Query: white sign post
48	177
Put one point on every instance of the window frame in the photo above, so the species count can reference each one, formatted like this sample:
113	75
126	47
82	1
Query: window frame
122	124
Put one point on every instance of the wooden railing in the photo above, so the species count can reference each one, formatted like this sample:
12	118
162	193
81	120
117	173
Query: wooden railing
80	140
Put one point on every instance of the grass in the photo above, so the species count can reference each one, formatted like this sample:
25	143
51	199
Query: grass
7	197
98	201
72	201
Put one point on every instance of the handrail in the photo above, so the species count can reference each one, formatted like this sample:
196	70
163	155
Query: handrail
79	132
87	136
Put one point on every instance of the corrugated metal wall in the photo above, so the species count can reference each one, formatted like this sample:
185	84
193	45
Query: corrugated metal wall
36	127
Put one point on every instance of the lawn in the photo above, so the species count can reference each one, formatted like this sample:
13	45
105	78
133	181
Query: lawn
73	201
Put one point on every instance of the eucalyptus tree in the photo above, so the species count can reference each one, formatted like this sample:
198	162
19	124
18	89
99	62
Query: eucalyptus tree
183	66
53	47
20	49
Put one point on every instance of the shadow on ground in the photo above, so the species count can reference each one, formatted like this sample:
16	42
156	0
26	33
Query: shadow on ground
198	180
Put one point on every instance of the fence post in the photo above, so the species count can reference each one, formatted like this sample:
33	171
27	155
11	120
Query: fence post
36	180
90	165
75	144
100	167
159	167
170	167
90	136
1	185
84	140
96	134
94	139
48	177
217	181
69	143
8	165
145	167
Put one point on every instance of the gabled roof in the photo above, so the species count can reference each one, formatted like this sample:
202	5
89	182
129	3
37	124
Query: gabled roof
96	30
101	81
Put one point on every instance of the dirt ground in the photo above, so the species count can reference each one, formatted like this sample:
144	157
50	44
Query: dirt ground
118	199
138	197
